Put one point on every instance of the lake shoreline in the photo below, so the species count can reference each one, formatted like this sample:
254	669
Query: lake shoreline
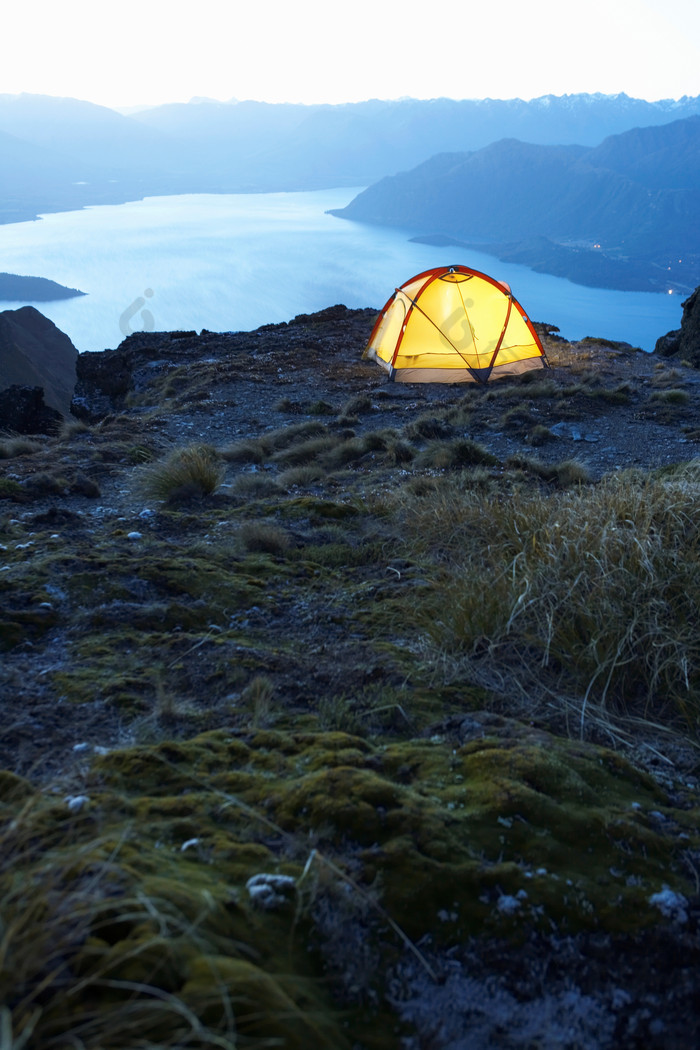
233	262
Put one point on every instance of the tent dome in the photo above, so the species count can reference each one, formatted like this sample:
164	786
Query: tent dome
453	324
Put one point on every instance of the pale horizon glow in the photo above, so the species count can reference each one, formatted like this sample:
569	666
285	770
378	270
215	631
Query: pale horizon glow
145	53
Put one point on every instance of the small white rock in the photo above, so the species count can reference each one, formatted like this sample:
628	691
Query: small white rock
671	904
76	802
133	535
270	891
507	904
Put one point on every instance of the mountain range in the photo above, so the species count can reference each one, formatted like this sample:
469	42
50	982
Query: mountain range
623	214
538	182
61	153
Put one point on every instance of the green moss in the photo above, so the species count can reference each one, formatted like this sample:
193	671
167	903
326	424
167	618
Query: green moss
10	489
317	509
437	830
14	788
488	814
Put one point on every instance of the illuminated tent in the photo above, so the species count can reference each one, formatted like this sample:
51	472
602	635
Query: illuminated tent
454	325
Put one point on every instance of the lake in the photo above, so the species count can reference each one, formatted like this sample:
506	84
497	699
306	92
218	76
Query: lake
236	261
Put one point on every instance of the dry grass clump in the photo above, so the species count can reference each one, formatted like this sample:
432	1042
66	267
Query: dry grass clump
308	451
187	473
255	486
71	428
283	437
301	477
665	376
12	446
427	426
320	408
248	450
345	453
592	593
461	452
58	986
536	388
258	696
259	449
618	395
567	474
540	435
358	405
45	484
263	537
671	396
398	452
518	414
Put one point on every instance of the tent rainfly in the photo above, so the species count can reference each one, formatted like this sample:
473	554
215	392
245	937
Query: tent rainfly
454	325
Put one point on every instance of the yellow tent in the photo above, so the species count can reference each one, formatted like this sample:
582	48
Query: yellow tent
454	325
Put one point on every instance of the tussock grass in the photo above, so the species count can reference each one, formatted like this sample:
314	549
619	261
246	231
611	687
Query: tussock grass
592	593
461	452
248	450
320	408
568	473
540	435
664	376
518	414
12	446
307	451
258	695
301	477
255	486
57	988
358	405
71	428
345	453
671	396
45	484
260	449
536	388
428	425
186	473
263	537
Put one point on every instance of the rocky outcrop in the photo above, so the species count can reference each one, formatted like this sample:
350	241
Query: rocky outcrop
684	342
35	353
23	411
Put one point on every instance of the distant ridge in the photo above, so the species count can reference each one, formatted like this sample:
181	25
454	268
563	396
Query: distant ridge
62	153
624	214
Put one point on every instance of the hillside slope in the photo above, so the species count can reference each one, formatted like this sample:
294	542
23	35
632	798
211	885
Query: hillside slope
635	200
349	714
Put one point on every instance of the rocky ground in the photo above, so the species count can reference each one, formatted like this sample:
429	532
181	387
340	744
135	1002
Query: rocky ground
605	407
253	652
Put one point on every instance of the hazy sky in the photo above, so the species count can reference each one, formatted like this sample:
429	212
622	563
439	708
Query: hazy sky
127	53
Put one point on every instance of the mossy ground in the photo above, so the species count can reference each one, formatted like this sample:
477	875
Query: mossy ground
217	685
434	834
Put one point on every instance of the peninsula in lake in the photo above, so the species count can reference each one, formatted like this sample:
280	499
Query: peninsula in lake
17	289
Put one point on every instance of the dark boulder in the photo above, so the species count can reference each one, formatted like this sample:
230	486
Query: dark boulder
684	342
103	381
23	411
34	352
106	378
